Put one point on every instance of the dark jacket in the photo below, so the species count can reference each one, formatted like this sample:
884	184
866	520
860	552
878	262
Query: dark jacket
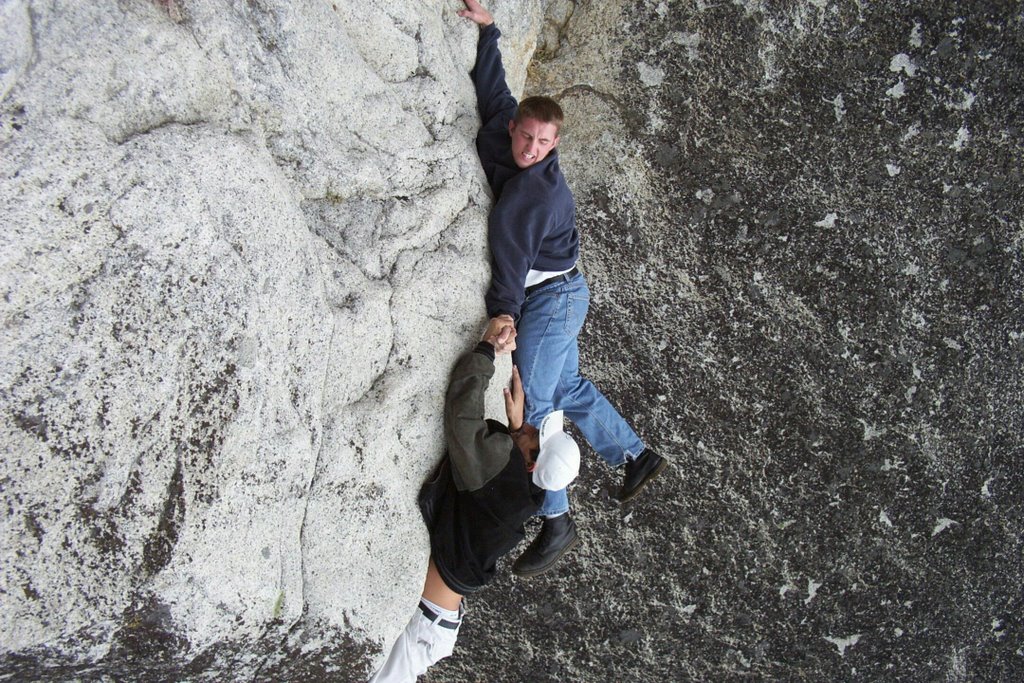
533	223
478	499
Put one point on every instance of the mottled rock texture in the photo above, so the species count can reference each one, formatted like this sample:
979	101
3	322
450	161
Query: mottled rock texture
244	241
803	225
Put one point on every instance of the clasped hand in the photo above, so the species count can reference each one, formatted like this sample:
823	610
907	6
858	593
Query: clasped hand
501	334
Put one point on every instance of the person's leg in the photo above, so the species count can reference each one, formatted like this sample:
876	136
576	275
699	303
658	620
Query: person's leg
546	335
543	339
549	362
542	344
555	503
602	426
429	636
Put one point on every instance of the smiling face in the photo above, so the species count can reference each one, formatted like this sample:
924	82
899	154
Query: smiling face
532	141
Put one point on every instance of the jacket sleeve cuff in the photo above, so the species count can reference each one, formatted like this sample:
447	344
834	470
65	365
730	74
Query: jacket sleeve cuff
485	349
505	311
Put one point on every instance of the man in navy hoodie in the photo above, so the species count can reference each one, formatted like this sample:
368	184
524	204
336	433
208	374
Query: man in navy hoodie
536	280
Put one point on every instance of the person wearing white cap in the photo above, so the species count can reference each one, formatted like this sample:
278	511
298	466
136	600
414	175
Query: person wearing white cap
490	482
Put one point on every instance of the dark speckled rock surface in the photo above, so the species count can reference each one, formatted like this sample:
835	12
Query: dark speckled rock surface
812	300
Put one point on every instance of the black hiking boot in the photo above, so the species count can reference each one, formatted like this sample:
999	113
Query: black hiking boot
639	472
557	537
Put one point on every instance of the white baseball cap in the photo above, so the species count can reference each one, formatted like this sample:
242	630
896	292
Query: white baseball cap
559	459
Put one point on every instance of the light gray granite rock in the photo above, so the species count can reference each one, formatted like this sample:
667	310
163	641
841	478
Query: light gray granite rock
243	244
15	42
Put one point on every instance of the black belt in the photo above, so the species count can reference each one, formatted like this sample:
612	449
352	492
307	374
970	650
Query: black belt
443	623
564	276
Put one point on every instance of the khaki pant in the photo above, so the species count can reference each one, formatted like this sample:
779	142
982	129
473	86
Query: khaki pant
422	644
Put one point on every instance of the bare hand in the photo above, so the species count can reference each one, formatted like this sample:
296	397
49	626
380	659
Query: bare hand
515	401
501	333
477	13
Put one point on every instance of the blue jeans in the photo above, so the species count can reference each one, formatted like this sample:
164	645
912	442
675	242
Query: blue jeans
547	353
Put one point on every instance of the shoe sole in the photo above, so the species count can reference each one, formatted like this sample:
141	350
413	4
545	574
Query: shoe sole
640	487
540	570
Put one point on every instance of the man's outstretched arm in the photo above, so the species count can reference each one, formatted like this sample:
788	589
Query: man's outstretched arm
492	93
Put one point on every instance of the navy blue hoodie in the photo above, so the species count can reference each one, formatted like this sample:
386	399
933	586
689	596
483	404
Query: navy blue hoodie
533	222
